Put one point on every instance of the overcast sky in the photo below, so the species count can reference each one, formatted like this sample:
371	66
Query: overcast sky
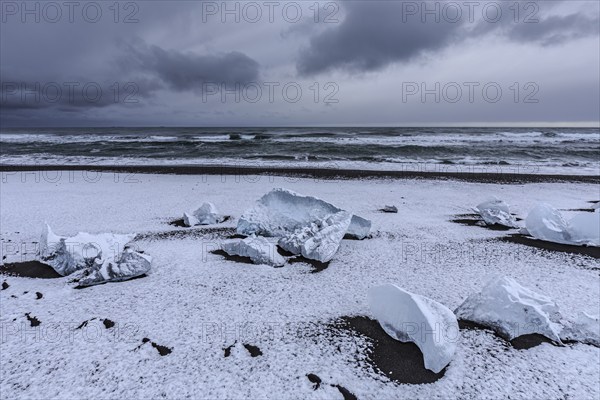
193	63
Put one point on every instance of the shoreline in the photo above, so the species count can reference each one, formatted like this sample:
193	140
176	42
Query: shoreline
320	173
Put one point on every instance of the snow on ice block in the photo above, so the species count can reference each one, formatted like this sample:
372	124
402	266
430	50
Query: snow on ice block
319	241
206	214
585	228
258	249
547	223
512	310
130	265
409	317
69	254
281	212
586	329
496	212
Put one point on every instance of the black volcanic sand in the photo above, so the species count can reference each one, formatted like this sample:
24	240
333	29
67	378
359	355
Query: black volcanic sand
162	350
517	238
475	220
29	269
317	265
78	287
316	381
240	259
522	342
33	321
253	350
186	233
179	222
512	178
579	209
400	362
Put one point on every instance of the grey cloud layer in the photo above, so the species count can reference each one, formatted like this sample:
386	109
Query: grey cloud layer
185	71
376	34
171	53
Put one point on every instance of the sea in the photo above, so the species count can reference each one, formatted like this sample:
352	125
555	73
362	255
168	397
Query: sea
573	151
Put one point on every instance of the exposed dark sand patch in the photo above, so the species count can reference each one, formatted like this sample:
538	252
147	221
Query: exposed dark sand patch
227	350
239	259
475	220
579	209
104	283
317	266
179	222
284	253
400	362
348	395
522	342
594	201
480	223
388	210
315	380
253	350
349	237
84	324
108	323
29	269
5	285
469	215
33	320
525	342
550	246
187	233
38	295
162	350
237	236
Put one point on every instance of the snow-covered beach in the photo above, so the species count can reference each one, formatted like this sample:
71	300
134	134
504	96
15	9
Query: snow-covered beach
200	325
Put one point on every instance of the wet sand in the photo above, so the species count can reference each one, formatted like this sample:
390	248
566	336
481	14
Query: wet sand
320	173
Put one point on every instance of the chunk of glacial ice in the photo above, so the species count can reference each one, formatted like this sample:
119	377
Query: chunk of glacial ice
130	265
258	249
512	310
547	223
409	317
69	254
320	240
496	212
281	212
585	228
586	329
206	214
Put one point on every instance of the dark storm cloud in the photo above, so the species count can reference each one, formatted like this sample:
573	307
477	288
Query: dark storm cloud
372	36
71	95
376	34
186	71
139	72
